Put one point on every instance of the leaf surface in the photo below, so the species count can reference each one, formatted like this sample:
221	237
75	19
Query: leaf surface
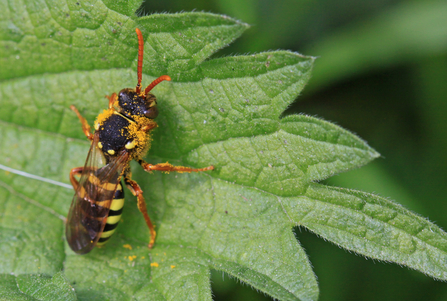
223	112
36	287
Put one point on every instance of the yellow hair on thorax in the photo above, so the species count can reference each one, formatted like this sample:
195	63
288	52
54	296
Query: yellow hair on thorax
102	117
141	138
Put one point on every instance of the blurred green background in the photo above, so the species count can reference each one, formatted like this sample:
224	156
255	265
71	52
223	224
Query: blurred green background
381	73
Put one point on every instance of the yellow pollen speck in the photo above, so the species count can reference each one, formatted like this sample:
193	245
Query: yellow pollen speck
111	151
99	144
130	144
154	264
127	246
172	266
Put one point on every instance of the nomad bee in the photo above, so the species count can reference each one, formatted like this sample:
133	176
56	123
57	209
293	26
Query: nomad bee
121	135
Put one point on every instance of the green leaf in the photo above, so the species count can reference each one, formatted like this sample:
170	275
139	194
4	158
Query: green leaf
36	287
372	226
223	112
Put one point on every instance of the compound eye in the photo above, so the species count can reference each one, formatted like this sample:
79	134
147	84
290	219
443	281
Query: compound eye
125	96
151	113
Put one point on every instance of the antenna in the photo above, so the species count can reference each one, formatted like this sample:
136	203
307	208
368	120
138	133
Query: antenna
156	82
140	59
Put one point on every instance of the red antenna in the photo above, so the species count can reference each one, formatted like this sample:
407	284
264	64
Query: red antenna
140	59
156	82
140	68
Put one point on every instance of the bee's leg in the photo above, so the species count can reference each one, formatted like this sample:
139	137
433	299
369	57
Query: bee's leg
149	127
168	167
85	126
136	191
73	172
112	99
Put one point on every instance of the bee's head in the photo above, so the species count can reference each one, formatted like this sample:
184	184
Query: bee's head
133	104
141	103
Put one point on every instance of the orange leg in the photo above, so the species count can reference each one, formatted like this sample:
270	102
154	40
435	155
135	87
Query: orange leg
73	172
112	99
85	126
149	127
136	191
168	167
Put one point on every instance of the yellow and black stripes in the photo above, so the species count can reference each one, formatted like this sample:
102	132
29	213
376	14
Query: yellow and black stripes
116	208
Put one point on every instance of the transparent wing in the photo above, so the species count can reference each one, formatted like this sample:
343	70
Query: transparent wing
91	202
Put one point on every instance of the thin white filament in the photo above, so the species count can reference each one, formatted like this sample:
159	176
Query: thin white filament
31	176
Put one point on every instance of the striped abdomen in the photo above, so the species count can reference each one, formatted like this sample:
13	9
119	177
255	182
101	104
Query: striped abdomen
116	208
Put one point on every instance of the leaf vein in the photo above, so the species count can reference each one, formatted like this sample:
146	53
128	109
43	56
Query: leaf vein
12	191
